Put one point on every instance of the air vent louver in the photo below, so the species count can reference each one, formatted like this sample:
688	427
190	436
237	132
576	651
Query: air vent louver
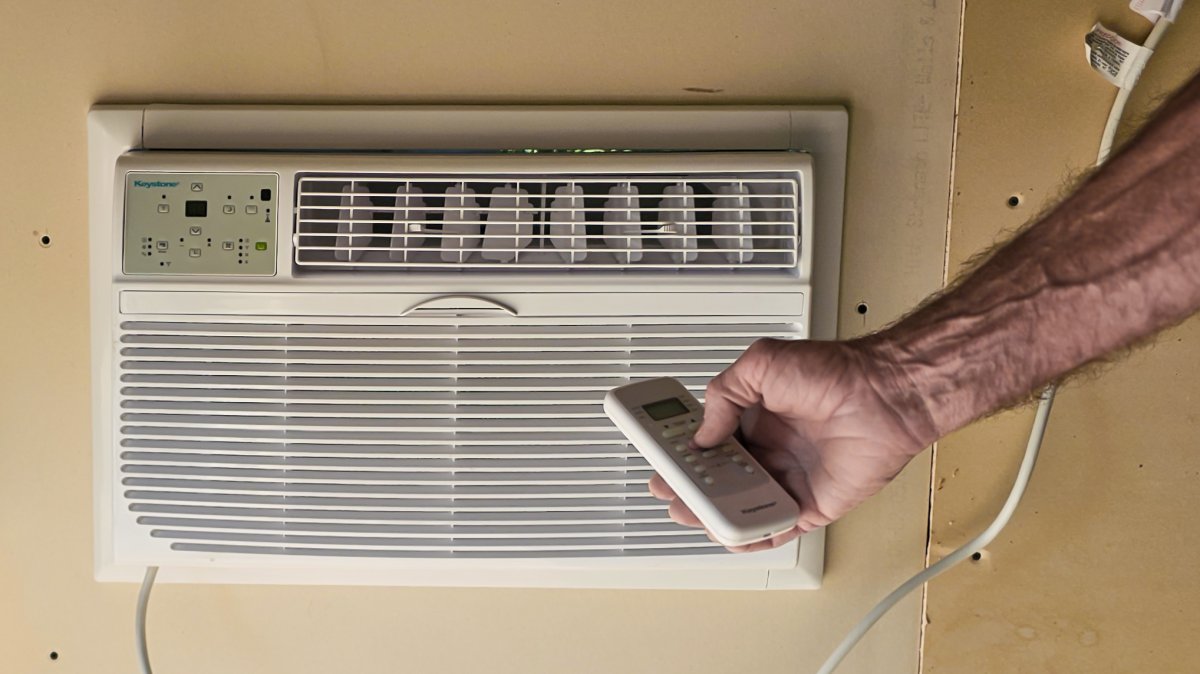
451	439
740	220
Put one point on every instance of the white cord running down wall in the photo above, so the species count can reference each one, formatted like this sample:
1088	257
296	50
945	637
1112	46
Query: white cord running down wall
1031	448
139	634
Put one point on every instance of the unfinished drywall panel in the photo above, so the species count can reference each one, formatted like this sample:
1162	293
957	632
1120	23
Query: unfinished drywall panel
892	64
1095	572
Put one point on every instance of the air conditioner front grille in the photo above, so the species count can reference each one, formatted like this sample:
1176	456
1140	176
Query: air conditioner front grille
457	439
731	221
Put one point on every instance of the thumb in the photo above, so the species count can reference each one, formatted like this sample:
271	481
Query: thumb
731	392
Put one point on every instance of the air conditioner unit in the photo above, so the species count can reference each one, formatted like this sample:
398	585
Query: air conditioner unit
370	345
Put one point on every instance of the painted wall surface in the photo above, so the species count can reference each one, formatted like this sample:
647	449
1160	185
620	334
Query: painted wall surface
893	65
1097	571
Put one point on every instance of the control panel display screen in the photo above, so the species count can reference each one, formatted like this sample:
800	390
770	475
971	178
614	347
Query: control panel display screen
665	409
195	209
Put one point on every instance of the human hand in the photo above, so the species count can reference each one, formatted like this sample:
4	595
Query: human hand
833	422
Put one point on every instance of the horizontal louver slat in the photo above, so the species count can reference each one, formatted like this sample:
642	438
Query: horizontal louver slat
429	531
458	519
410	503
452	553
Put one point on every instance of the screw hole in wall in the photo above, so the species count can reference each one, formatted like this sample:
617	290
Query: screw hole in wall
53	655
1014	201
44	240
862	308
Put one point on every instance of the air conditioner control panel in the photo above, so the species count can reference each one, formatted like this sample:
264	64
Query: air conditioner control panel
200	223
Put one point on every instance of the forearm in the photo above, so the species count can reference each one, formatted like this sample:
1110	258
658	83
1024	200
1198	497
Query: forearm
1116	261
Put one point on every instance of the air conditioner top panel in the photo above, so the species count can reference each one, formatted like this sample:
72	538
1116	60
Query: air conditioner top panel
474	128
497	212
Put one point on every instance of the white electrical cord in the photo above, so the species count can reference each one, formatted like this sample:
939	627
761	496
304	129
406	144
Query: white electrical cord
139	634
974	545
1118	106
1031	448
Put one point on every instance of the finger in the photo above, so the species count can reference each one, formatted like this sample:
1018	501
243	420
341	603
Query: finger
731	392
659	488
811	519
681	514
721	417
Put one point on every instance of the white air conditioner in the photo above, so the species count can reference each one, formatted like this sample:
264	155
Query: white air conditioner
370	345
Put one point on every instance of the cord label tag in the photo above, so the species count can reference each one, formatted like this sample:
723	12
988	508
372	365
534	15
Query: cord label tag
1116	59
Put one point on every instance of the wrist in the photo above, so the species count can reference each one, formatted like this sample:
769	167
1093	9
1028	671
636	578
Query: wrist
894	379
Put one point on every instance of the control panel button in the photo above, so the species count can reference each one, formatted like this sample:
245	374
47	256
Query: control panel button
251	209
164	208
229	209
260	245
193	252
197	187
265	194
161	245
195	230
226	245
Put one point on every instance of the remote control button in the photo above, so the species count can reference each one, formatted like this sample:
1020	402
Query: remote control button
708	479
708	454
681	447
739	460
701	468
748	469
672	432
690	458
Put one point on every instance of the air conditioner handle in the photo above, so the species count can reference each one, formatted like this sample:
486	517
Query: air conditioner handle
459	305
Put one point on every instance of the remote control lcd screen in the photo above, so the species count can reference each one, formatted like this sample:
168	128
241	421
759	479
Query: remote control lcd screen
665	409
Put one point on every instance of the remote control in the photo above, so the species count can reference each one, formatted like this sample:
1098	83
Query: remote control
735	499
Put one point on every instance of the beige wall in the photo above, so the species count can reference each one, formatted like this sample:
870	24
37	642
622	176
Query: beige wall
1097	572
893	64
